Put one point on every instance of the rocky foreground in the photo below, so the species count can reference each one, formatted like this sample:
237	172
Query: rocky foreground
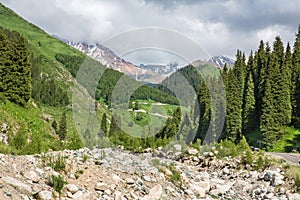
120	175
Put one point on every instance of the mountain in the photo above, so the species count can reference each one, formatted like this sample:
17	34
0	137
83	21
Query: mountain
107	57
164	70
220	61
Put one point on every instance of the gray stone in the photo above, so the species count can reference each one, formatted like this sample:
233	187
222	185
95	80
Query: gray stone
146	178
45	195
177	147
72	188
221	189
78	195
192	151
155	193
101	186
117	195
32	175
295	196
130	181
20	186
269	196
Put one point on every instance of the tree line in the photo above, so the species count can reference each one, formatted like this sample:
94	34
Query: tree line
262	93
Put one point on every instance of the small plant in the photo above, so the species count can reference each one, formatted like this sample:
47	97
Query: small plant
58	163
297	182
85	157
78	172
57	182
176	177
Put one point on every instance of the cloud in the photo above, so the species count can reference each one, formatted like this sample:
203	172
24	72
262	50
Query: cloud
219	26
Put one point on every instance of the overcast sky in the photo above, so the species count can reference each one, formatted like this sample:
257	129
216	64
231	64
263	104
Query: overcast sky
220	27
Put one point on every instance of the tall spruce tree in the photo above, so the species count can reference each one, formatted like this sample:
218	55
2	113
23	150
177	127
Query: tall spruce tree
15	67
233	109
248	113
295	81
103	131
62	132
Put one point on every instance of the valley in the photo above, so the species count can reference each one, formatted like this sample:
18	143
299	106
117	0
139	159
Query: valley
77	121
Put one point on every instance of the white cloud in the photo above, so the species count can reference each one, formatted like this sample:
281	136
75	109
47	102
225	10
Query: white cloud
219	26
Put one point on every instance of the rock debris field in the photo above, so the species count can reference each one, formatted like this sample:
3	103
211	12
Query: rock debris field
119	175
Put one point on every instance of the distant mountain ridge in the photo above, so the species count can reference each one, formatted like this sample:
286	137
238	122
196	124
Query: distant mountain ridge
150	73
107	57
220	61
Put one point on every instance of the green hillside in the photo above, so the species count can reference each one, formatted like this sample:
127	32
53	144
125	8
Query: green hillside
54	66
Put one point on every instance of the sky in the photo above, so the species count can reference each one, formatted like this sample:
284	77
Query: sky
218	26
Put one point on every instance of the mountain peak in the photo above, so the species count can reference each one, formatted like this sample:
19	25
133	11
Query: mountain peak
220	61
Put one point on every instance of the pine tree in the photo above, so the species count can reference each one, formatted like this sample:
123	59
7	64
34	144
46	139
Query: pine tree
62	132
103	130
233	108
248	113
281	86
297	104
295	81
204	111
54	126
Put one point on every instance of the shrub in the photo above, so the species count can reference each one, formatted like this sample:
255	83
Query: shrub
57	182
85	157
227	148
58	163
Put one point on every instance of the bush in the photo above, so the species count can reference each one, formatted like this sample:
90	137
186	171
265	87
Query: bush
58	163
57	182
227	148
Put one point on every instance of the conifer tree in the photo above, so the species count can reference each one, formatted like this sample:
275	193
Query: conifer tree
62	132
103	130
233	109
248	113
295	80
54	125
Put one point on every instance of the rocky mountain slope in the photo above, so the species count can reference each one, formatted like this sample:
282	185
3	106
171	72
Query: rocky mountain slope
220	61
117	174
111	60
144	72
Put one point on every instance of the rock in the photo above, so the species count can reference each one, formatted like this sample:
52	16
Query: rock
117	195
146	178
20	186
78	195
31	175
199	190
45	195
192	151
269	196
116	178
129	181
177	147
226	171
72	188
220	189
154	193
101	186
204	185
294	196
277	179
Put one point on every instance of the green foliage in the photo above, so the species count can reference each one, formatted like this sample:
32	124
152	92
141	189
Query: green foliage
72	63
20	139
227	148
103	131
85	157
15	67
58	163
57	182
74	141
62	132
